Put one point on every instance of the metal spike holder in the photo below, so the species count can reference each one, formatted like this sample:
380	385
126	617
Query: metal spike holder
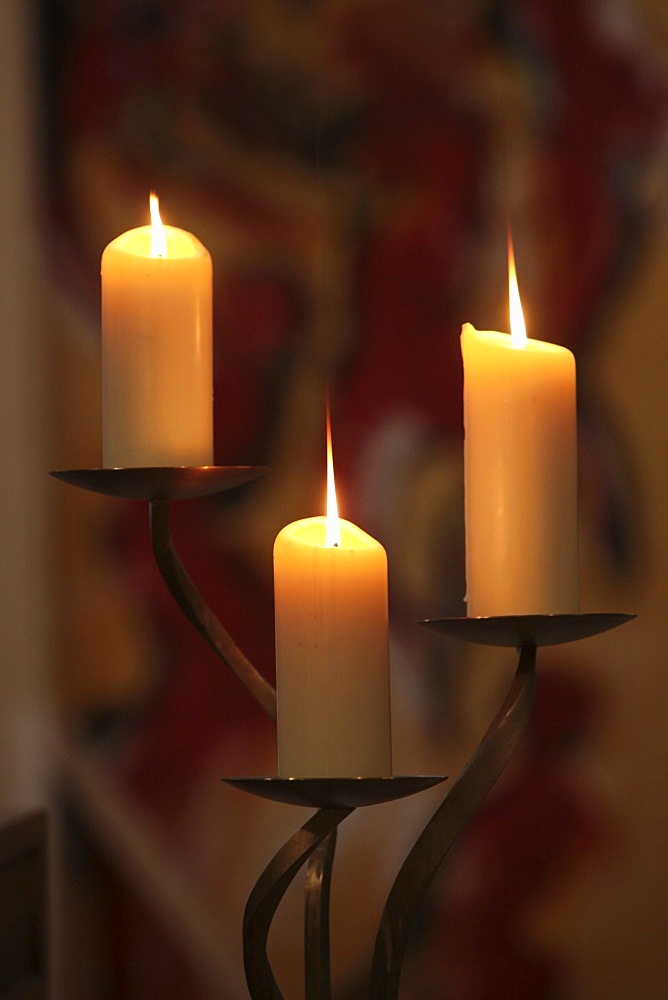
335	798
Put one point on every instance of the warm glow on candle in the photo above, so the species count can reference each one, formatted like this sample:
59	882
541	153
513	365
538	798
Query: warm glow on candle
332	646
158	235
518	330
333	530
157	365
520	470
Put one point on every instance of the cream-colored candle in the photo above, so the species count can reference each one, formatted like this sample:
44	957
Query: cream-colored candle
157	369
332	651
520	472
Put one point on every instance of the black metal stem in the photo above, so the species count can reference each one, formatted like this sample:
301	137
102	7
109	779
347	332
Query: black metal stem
268	893
316	920
198	612
422	863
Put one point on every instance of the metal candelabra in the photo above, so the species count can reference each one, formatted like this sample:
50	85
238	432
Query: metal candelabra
335	798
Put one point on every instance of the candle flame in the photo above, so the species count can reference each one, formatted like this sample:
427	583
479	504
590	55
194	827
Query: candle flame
518	330
332	527
158	235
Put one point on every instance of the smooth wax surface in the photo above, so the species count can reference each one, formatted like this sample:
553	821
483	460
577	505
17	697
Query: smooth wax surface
332	653
520	462
157	369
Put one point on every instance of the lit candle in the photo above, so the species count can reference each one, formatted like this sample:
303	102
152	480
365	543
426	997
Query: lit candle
157	370
520	471
332	648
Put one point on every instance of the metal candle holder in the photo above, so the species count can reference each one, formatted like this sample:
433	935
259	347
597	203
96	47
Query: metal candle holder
336	798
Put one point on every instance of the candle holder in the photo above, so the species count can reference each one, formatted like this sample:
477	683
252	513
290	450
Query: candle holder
334	799
160	486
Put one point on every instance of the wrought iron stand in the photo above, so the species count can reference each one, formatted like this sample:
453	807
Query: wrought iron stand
336	798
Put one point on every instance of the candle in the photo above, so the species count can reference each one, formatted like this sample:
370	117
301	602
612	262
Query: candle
332	648
520	472
157	370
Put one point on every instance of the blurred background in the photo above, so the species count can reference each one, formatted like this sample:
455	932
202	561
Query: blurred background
352	166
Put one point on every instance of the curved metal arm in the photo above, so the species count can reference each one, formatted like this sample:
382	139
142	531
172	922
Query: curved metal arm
315	841
422	863
197	611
